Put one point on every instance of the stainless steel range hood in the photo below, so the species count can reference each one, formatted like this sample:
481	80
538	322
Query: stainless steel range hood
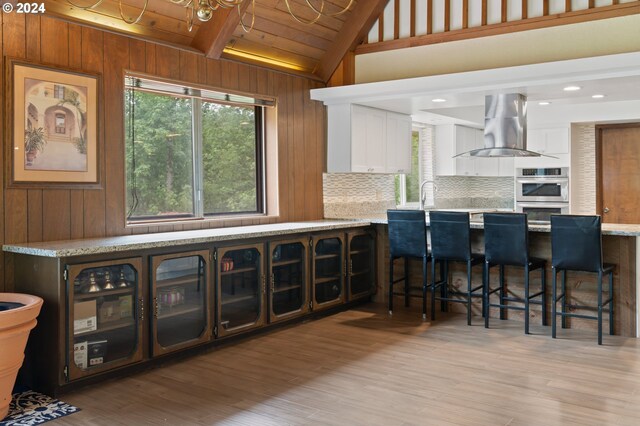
505	127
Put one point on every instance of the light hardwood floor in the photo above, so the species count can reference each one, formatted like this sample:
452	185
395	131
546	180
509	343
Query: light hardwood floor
362	367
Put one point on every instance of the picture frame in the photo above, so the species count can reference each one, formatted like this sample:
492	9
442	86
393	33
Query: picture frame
53	126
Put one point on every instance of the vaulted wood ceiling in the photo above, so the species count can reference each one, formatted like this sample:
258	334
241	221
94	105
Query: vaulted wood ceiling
277	40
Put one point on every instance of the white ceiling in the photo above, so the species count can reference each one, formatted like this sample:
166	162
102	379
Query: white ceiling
615	76
468	107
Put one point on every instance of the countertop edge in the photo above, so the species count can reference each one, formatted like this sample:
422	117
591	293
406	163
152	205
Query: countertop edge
84	247
619	229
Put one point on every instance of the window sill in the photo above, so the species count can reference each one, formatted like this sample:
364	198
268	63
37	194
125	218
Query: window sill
207	222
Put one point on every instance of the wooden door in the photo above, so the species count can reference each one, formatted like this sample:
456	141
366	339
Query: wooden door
619	161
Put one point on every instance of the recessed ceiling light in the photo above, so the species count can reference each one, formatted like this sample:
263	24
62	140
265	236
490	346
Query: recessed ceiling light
438	100
597	96
544	103
571	88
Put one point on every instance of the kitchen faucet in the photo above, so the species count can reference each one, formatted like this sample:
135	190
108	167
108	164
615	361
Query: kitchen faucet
422	194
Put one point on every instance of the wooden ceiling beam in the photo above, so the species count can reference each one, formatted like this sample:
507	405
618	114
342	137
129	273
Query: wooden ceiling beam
362	17
213	36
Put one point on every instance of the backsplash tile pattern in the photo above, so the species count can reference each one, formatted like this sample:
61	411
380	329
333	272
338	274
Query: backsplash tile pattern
426	162
474	192
355	195
583	169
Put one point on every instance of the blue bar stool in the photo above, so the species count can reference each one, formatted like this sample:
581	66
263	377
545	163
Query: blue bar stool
506	242
451	242
576	245
407	239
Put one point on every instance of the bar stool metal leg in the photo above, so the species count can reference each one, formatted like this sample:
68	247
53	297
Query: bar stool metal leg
611	303
433	297
406	282
599	307
433	284
487	288
391	287
564	298
425	284
503	294
468	292
543	279
526	300
554	300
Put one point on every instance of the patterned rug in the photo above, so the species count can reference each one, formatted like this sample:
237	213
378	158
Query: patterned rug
32	408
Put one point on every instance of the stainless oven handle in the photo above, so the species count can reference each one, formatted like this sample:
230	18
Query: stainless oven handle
543	180
544	204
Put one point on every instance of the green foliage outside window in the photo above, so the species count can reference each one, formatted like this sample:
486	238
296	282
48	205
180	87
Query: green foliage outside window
159	155
160	166
229	158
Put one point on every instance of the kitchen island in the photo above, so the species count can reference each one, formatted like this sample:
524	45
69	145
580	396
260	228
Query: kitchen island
621	246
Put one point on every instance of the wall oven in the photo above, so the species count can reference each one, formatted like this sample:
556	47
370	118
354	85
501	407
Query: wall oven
549	185
542	192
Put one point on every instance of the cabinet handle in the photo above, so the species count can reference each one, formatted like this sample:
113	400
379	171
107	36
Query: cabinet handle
350	267
264	284
156	307
141	309
273	282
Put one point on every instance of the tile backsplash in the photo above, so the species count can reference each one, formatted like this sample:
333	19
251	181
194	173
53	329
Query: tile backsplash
355	195
583	169
474	192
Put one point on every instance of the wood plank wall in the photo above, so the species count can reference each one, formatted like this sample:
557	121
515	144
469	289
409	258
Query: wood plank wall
51	214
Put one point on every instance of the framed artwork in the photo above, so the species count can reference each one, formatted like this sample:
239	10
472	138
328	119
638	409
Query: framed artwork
52	125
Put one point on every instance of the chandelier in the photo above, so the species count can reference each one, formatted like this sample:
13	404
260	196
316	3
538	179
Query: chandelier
203	10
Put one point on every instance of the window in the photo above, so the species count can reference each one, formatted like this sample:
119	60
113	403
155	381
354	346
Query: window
192	153
60	120
408	186
58	91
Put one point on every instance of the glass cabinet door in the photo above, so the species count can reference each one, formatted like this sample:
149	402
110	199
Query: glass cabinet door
328	271
241	288
105	314
361	265
288	293
180	291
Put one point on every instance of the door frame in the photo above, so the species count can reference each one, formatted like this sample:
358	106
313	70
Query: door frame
599	129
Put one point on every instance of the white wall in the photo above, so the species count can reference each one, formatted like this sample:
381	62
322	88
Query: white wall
582	40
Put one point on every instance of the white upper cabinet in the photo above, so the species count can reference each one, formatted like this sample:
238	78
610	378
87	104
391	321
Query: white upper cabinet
398	143
368	130
553	140
451	140
367	140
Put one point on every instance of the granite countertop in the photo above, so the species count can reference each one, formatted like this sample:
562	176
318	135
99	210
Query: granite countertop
629	230
84	247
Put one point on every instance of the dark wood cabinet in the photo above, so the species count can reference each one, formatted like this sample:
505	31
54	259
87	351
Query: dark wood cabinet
288	279
105	316
361	276
181	300
241	287
110	311
328	270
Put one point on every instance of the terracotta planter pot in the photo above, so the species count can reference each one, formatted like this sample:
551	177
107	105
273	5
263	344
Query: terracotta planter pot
15	325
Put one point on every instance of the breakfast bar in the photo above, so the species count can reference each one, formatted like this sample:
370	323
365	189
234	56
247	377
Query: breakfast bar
620	247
